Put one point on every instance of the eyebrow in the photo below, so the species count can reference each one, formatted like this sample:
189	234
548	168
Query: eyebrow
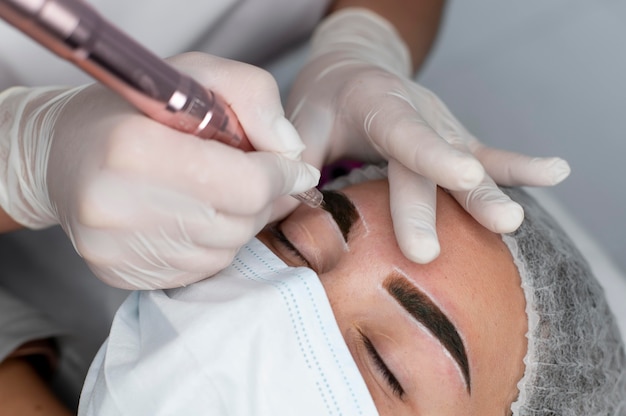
424	310
341	209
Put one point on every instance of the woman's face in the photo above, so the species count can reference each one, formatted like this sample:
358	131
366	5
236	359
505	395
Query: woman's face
445	338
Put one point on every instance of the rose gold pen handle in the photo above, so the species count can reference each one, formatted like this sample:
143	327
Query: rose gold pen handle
76	32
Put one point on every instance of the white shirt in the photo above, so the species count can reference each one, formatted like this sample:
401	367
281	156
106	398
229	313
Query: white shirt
247	30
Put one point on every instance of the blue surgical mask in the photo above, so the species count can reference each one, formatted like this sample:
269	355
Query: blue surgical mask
259	338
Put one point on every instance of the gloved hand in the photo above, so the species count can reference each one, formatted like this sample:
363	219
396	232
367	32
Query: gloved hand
144	205
355	98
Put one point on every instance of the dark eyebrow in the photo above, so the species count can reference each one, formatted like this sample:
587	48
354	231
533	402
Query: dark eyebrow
424	310
342	210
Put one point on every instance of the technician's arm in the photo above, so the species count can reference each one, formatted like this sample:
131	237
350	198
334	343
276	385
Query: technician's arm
23	392
417	21
7	223
356	98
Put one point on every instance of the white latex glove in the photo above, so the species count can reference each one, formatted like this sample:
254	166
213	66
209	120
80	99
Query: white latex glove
144	205
355	98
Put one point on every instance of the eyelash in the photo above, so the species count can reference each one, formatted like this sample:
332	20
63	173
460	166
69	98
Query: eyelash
391	379
280	236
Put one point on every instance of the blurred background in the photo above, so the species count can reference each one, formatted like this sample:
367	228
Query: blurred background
545	77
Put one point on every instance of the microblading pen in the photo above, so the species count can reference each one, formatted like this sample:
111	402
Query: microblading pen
76	32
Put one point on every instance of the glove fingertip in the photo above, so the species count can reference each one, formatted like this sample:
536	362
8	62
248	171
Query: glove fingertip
558	170
421	248
306	178
286	141
282	138
508	219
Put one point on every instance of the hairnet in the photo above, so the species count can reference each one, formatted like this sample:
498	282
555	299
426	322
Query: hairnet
575	363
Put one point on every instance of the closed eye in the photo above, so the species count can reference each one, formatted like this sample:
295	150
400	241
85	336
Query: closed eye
380	365
282	239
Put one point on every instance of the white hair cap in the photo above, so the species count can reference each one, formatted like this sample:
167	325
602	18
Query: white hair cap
575	364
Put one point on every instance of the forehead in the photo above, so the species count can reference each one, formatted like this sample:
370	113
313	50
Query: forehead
474	281
474	263
461	236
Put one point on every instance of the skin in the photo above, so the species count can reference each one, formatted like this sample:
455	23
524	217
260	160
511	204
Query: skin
23	392
417	21
474	282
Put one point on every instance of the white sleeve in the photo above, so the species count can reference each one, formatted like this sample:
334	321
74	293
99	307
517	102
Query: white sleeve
20	323
247	30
